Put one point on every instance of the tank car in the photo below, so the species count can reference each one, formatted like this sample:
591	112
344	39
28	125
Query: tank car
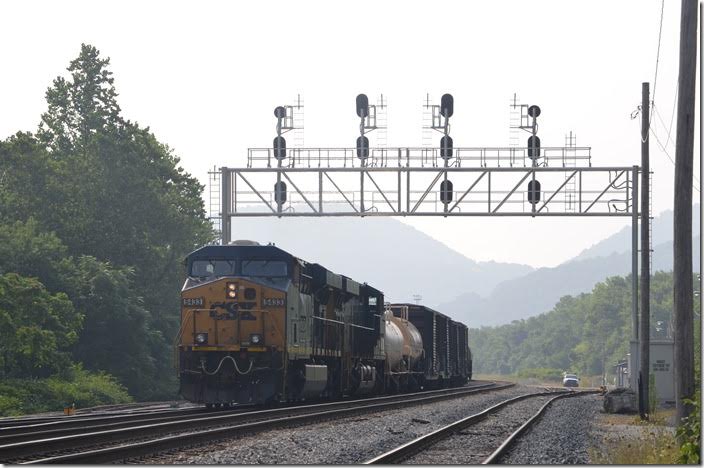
259	325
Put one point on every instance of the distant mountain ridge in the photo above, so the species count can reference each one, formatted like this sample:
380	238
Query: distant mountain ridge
621	241
390	255
538	291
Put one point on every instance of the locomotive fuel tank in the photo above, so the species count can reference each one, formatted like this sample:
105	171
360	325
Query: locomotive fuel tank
402	343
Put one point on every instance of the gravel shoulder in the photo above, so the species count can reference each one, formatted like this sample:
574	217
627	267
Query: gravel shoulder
344	441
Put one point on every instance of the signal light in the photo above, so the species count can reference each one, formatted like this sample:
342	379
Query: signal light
362	147
279	147
280	112
534	146
362	105
446	147
534	192
446	191
447	105
280	192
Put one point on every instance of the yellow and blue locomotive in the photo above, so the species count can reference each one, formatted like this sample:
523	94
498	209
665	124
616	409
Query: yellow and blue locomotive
259	325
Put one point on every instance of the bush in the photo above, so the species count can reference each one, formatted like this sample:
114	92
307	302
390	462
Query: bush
76	386
542	373
690	432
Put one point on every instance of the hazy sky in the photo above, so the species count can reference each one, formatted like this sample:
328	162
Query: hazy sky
205	76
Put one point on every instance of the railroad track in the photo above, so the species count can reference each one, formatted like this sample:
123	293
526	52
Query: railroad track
137	439
415	450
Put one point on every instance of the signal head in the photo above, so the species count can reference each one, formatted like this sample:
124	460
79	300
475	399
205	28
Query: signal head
280	112
534	111
362	105
447	105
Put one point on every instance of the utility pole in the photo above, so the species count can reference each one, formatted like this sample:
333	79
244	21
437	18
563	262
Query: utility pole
682	268
644	368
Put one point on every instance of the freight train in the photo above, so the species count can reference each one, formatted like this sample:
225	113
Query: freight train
259	325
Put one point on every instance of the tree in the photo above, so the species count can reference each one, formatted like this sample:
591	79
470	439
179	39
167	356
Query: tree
37	328
81	107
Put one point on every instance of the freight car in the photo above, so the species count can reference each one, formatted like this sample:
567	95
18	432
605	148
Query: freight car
259	325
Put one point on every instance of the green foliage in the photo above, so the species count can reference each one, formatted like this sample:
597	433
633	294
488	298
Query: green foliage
26	250
541	373
586	334
690	433
117	335
37	328
74	386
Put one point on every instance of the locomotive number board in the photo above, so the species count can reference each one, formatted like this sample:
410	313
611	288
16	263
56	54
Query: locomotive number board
272	302
193	301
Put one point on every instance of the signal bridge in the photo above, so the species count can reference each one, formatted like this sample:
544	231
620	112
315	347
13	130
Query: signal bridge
408	182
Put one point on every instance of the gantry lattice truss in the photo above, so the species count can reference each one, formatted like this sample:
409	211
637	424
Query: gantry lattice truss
406	182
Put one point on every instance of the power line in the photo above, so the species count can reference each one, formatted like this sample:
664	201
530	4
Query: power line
672	160
663	126
655	81
672	117
657	57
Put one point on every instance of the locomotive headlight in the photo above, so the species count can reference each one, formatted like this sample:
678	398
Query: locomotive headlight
231	290
255	338
201	338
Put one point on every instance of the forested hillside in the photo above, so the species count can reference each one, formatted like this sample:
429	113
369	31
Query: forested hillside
587	334
95	218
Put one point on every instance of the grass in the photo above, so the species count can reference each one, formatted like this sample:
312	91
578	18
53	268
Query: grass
629	441
78	387
653	448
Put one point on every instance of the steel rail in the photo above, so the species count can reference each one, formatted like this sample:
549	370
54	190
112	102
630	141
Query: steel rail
30	419
51	430
417	445
199	432
102	419
510	440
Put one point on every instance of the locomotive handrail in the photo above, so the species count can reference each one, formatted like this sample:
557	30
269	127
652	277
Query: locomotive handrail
179	335
343	323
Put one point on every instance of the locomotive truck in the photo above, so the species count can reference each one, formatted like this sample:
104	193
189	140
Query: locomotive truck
259	325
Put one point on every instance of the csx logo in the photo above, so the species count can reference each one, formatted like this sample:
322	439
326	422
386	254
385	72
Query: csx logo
232	312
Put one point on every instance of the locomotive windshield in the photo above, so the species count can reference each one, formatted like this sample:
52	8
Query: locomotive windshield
267	268
210	268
